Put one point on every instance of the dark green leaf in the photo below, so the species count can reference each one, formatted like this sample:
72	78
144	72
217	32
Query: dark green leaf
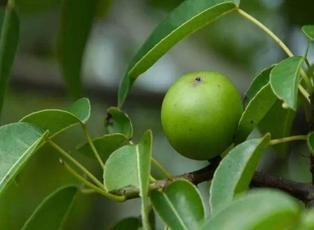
18	142
259	209
76	23
255	112
278	122
235	172
118	122
131	223
310	142
284	80
105	145
179	205
52	212
308	30
9	38
57	120
258	83
187	18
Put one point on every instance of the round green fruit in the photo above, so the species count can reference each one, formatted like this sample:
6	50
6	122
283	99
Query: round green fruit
200	114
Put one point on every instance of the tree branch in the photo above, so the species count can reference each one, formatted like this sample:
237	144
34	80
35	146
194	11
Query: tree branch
301	191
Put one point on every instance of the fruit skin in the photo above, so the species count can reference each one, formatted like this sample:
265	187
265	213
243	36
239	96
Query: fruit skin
200	114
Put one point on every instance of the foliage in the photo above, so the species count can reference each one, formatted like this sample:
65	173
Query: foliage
273	98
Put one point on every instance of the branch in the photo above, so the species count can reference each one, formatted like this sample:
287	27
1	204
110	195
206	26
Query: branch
302	191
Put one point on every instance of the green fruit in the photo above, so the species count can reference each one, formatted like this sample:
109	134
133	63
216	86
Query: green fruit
200	114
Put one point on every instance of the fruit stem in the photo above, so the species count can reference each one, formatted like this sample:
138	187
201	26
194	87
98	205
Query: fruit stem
75	162
161	168
94	188
91	144
282	45
288	139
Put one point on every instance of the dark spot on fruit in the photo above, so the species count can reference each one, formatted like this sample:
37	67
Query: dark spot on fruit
252	122
198	79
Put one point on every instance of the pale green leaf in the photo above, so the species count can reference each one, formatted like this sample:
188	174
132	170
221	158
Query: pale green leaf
310	142
144	155
118	122
259	209
58	120
179	205
52	211
235	172
18	142
187	18
284	80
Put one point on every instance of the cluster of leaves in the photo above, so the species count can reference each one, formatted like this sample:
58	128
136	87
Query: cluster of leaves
273	99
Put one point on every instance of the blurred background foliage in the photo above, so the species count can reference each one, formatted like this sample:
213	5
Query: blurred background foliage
230	45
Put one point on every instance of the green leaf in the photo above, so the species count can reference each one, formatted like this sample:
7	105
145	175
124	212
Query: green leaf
52	211
76	23
105	145
187	18
118	122
258	83
130	223
310	142
307	220
9	39
284	80
144	156
278	122
235	172
308	30
129	166
58	120
18	142
259	209
121	169
179	205
255	112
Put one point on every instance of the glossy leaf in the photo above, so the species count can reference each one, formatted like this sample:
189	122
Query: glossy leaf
235	172
118	122
53	210
307	220
144	155
308	30
179	205
284	80
105	145
76	23
58	120
187	18
18	142
278	122
259	209
9	39
258	83
255	112
310	142
130	223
